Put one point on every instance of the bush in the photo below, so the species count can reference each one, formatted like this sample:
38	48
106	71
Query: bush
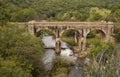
60	68
109	69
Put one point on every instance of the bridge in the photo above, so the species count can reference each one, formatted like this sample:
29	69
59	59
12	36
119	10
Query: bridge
84	28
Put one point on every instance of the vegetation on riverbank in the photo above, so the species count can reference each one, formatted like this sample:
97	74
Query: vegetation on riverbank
20	53
70	37
105	61
61	67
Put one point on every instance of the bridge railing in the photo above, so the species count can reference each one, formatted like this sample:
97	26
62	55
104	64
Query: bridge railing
82	24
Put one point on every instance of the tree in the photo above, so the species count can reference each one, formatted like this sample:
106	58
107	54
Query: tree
18	45
24	15
12	68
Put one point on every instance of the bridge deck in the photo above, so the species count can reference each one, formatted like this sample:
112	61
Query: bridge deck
70	23
66	23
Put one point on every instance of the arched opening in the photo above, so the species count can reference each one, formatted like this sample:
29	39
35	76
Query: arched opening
70	36
45	32
47	37
95	36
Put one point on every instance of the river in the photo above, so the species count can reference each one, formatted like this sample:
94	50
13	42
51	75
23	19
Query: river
49	41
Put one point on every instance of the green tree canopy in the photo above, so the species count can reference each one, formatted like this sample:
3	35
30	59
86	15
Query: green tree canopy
20	52
24	15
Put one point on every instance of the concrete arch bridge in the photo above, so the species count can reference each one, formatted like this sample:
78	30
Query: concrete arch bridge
84	28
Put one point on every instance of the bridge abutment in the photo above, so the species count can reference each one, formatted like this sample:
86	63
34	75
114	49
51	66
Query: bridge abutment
31	27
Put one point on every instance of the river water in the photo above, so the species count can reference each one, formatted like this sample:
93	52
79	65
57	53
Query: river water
49	41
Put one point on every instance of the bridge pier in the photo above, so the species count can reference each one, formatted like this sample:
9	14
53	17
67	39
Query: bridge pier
84	44
79	43
57	42
82	40
58	46
75	38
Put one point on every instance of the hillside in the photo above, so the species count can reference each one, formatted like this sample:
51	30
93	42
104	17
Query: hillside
53	10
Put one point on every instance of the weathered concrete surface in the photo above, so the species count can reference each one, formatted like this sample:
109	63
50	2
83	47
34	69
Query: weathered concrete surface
82	27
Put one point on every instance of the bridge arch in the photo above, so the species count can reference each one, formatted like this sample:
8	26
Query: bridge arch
43	31
63	31
100	29
94	36
71	36
101	32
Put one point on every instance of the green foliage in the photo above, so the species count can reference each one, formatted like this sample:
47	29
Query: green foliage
110	69
24	15
61	67
17	45
3	16
91	35
115	13
116	34
104	59
106	67
20	52
45	31
115	16
70	33
95	37
52	10
97	17
61	62
69	36
98	14
69	41
6	8
102	47
12	68
76	15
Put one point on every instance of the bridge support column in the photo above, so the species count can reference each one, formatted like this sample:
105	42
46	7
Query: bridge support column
79	43
58	43
75	38
84	44
58	46
83	40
